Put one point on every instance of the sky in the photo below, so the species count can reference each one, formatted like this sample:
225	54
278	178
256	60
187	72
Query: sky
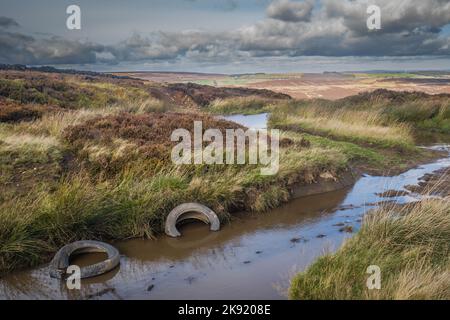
227	36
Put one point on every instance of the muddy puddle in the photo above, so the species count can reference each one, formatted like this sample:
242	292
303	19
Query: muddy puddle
253	257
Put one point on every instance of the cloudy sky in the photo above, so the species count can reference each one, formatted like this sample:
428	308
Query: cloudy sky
229	36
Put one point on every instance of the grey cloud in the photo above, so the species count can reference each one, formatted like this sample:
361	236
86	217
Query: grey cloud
25	49
6	22
338	28
226	5
229	5
326	40
171	45
396	16
289	11
334	29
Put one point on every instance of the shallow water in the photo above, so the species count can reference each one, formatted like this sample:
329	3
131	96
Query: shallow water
253	257
255	121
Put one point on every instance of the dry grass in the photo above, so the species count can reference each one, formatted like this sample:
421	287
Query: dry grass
26	162
418	109
411	245
54	123
240	105
382	117
144	106
355	127
12	112
68	91
17	142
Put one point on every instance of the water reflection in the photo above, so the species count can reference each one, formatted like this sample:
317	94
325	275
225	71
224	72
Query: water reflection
254	121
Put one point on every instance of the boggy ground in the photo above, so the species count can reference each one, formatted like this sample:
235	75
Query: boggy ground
86	156
410	245
435	184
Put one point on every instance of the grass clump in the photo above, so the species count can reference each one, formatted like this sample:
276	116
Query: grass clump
26	162
381	118
410	244
240	105
66	92
11	112
353	128
146	106
369	158
359	126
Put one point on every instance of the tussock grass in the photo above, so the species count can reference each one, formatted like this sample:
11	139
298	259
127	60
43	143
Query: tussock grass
411	245
240	105
26	162
68	92
382	119
26	150
13	112
54	123
145	106
359	126
380	107
358	130
23	142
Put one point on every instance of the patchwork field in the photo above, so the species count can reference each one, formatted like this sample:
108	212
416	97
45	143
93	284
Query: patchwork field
308	86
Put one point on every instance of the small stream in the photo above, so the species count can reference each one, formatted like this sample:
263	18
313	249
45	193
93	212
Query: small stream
253	257
255	121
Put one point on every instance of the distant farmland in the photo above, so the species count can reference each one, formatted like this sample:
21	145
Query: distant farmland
309	86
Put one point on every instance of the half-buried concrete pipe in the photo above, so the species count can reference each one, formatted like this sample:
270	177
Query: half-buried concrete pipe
60	262
188	211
